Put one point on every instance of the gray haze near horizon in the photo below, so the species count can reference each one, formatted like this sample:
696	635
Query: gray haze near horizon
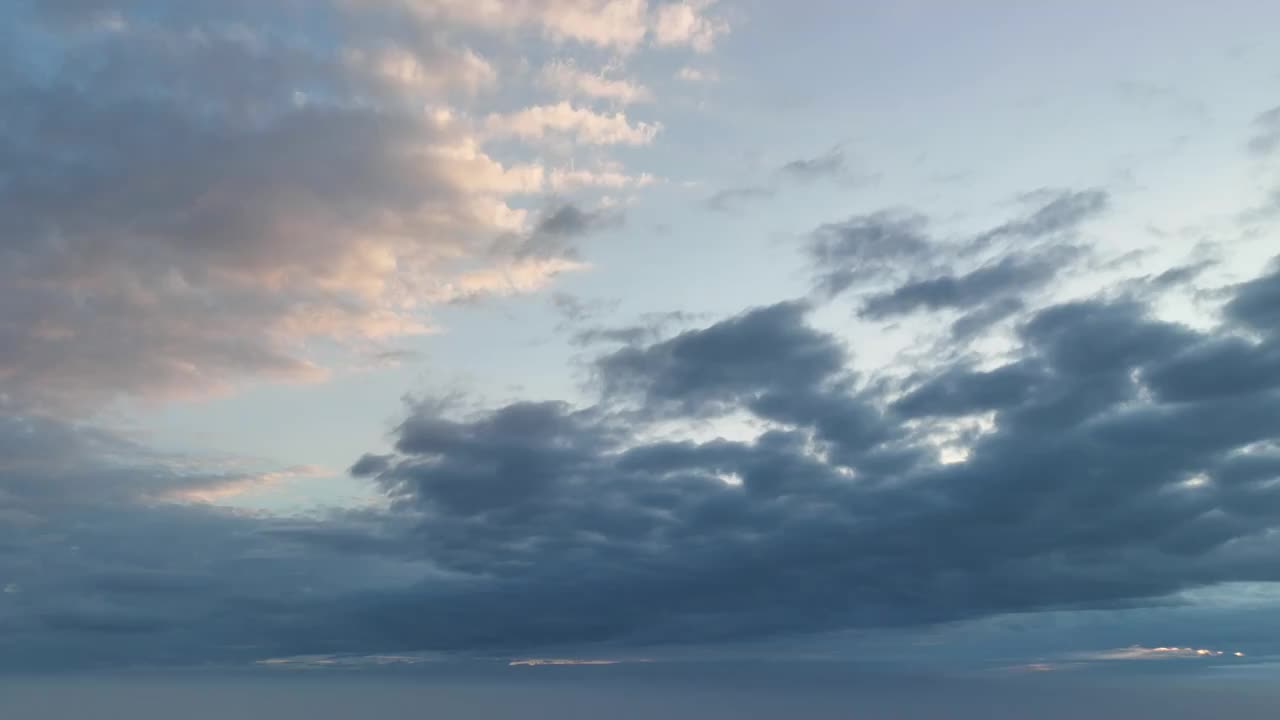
800	691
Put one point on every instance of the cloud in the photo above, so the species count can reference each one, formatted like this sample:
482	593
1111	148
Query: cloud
865	246
581	124
831	525
554	233
581	320
568	221
650	327
731	199
1059	211
989	283
685	24
1110	472
1255	305
416	73
1138	652
611	177
982	318
217	490
727	362
987	276
621	25
692	74
535	662
520	275
193	197
830	165
322	662
889	243
1267	137
566	78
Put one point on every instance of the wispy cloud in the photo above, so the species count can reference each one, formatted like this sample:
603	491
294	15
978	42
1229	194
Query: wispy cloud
577	123
1138	652
534	662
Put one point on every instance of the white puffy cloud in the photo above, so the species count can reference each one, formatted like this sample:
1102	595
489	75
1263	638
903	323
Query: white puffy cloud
197	198
581	124
692	74
611	176
566	78
687	24
621	25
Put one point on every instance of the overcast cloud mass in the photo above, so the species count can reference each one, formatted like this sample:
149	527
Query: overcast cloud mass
423	344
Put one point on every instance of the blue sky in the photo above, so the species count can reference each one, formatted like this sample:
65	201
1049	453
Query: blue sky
936	336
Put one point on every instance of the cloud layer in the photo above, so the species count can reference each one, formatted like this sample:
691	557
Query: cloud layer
1120	459
197	196
194	197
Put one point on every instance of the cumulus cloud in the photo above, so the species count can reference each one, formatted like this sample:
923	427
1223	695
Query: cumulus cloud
833	522
192	197
610	176
685	23
568	79
579	123
168	230
621	25
1112	471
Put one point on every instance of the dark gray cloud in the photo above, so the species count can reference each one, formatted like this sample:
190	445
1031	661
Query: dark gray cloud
1074	499
1223	367
1174	277
987	284
701	369
1127	458
1059	211
959	392
1256	304
865	246
978	320
887	248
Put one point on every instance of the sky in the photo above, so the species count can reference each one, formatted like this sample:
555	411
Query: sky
680	358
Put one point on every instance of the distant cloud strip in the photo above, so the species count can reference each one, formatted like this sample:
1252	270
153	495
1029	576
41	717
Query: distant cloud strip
1138	652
